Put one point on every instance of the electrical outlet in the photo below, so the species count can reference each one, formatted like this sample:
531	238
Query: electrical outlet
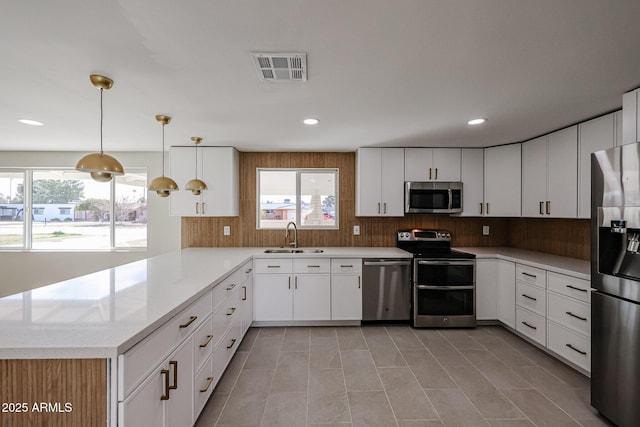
356	230
227	230
485	230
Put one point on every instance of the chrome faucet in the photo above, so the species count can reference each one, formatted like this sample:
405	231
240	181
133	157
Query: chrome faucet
293	244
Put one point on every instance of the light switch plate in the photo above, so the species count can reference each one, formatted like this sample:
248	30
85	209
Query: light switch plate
227	230
356	230
485	230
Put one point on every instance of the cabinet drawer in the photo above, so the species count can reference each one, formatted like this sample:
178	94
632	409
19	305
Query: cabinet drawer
531	275
531	297
531	325
569	286
203	342
203	386
225	315
346	266
139	361
224	289
312	265
225	350
274	265
569	345
575	315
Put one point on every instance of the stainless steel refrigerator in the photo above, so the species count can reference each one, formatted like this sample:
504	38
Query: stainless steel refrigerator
615	281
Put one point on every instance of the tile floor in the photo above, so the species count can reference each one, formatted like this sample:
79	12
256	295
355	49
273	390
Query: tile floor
396	376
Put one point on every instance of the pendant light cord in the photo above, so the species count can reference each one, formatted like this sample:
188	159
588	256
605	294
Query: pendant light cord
163	150
101	90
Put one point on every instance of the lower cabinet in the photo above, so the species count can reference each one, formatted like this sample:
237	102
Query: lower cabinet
486	289
346	297
506	302
164	398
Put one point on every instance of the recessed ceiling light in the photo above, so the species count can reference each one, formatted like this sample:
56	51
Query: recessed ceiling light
310	121
476	121
30	122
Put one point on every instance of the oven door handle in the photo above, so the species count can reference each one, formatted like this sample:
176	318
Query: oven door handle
446	288
441	262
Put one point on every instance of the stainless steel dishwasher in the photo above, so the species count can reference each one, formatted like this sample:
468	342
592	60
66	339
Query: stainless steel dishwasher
386	289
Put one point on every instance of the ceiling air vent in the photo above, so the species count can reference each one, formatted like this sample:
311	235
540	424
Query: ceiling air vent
281	67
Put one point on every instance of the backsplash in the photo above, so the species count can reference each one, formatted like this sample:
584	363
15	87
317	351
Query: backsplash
559	237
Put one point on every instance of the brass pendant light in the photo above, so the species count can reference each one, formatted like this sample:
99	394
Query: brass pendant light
163	185
196	185
101	166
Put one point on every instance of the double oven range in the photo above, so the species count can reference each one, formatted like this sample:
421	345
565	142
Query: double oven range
443	280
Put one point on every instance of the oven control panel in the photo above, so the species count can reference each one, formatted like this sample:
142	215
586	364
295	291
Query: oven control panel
423	235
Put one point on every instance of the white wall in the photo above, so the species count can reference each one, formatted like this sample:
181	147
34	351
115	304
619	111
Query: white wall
20	271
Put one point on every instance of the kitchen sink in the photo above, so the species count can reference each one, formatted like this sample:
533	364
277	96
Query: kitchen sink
293	251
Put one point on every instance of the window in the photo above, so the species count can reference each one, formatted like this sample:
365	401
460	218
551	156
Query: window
308	197
70	211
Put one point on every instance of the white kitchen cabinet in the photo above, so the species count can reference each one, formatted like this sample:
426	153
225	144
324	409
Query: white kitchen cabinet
432	164
165	397
303	293
593	135
486	289
380	182
472	177
630	117
506	302
218	167
502	178
550	175
346	289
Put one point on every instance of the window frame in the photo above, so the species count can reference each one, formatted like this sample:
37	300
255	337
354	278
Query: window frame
299	172
28	214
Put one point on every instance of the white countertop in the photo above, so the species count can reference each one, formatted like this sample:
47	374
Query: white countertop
103	314
563	265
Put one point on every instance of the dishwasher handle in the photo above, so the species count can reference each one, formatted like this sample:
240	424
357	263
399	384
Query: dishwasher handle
386	263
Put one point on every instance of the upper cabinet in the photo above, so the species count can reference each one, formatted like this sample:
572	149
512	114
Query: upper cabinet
630	117
594	135
218	168
472	177
432	164
550	175
380	182
502	177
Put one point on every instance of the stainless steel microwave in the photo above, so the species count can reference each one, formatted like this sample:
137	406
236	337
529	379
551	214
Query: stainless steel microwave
433	197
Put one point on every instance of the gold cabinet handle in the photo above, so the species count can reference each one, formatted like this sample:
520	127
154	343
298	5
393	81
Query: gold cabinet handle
541	208
429	173
529	275
481	208
576	289
576	316
487	208
296	283
289	282
189	322
206	343
230	287
436	174
548	207
528	325
244	293
248	270
359	284
203	208
231	311
346	265
584	353
528	297
206	387
385	207
233	342
165	374
197	207
174	363
378	207
313	266
273	266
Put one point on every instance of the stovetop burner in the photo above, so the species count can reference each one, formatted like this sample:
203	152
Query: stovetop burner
429	244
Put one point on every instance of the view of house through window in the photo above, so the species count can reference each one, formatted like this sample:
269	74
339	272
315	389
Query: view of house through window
70	211
308	197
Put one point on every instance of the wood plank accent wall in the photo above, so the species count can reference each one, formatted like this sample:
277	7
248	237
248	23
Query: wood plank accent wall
564	237
374	231
80	382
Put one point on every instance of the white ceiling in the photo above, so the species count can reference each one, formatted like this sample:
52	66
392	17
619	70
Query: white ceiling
381	72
